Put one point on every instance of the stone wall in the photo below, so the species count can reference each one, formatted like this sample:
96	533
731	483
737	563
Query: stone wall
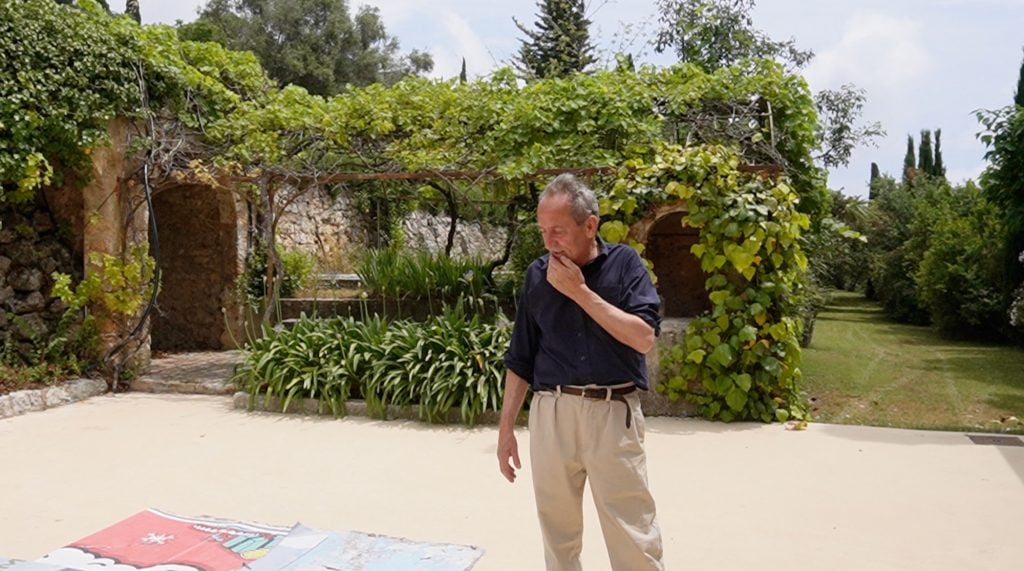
332	230
423	230
30	251
327	228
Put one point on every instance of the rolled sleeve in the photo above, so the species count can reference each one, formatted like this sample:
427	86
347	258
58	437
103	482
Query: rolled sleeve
522	349
640	297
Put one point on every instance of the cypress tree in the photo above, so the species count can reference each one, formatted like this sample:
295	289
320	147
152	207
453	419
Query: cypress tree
560	43
462	74
1018	97
926	158
939	169
909	166
875	174
131	8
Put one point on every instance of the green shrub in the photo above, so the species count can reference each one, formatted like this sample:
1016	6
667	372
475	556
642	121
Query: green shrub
454	360
959	274
395	273
298	272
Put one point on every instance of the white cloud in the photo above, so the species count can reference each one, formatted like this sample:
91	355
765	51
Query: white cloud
460	41
877	52
962	175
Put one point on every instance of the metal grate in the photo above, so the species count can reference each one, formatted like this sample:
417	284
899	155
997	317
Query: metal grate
996	440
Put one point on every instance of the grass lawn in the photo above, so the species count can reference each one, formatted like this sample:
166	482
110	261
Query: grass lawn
863	369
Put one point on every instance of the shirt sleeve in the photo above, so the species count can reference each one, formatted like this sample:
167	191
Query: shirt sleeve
640	297
522	350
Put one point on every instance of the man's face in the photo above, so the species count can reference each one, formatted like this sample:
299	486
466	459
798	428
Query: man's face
562	235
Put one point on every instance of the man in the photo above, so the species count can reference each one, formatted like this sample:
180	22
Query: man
587	315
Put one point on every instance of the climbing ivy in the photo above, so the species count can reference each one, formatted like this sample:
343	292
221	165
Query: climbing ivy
67	71
740	360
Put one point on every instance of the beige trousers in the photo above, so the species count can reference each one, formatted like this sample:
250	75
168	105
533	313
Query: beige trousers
573	438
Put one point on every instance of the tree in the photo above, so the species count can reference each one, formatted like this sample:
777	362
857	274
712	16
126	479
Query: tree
719	33
875	174
925	156
315	44
713	34
939	169
560	43
838	111
462	73
909	163
131	8
1003	179
1018	96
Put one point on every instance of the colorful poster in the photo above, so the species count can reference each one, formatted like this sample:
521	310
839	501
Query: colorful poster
157	541
306	549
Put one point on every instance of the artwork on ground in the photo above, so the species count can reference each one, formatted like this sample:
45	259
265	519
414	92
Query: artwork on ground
153	540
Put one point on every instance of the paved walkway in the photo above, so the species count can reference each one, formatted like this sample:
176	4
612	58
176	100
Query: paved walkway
203	373
730	497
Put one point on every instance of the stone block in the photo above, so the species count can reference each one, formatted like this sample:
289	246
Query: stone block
81	389
6	294
6	408
32	303
26	279
26	401
56	396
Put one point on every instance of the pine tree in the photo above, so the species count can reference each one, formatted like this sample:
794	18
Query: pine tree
925	156
939	169
560	43
462	74
909	165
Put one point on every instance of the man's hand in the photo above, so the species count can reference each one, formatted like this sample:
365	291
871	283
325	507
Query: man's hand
508	449
564	275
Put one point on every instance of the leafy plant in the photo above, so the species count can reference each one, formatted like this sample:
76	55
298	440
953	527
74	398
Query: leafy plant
454	360
741	360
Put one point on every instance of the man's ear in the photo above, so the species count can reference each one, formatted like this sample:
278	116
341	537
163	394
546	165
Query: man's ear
591	225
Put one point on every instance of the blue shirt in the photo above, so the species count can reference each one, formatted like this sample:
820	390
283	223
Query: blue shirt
555	342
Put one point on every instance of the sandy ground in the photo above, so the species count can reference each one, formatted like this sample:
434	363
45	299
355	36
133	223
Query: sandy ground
730	497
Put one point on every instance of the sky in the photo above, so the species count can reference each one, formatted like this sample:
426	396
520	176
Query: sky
924	64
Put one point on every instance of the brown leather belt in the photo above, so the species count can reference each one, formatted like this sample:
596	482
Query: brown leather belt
599	393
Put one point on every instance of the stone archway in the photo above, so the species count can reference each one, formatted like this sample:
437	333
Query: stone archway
680	279
199	233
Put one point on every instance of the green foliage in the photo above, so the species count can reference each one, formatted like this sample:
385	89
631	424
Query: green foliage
718	33
120	286
560	45
740	360
451	361
909	161
838	132
396	273
316	44
925	155
894	257
51	112
298	272
837	248
959	277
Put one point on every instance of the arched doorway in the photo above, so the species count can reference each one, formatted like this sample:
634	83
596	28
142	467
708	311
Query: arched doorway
198	229
680	279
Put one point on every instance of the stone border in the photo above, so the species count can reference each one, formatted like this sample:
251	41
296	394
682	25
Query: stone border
240	400
21	402
658	405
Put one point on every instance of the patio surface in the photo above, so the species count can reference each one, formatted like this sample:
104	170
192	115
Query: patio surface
730	497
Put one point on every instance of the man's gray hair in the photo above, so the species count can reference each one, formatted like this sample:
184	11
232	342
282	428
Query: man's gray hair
582	201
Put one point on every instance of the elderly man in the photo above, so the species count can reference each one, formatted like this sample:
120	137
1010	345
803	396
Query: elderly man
587	315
